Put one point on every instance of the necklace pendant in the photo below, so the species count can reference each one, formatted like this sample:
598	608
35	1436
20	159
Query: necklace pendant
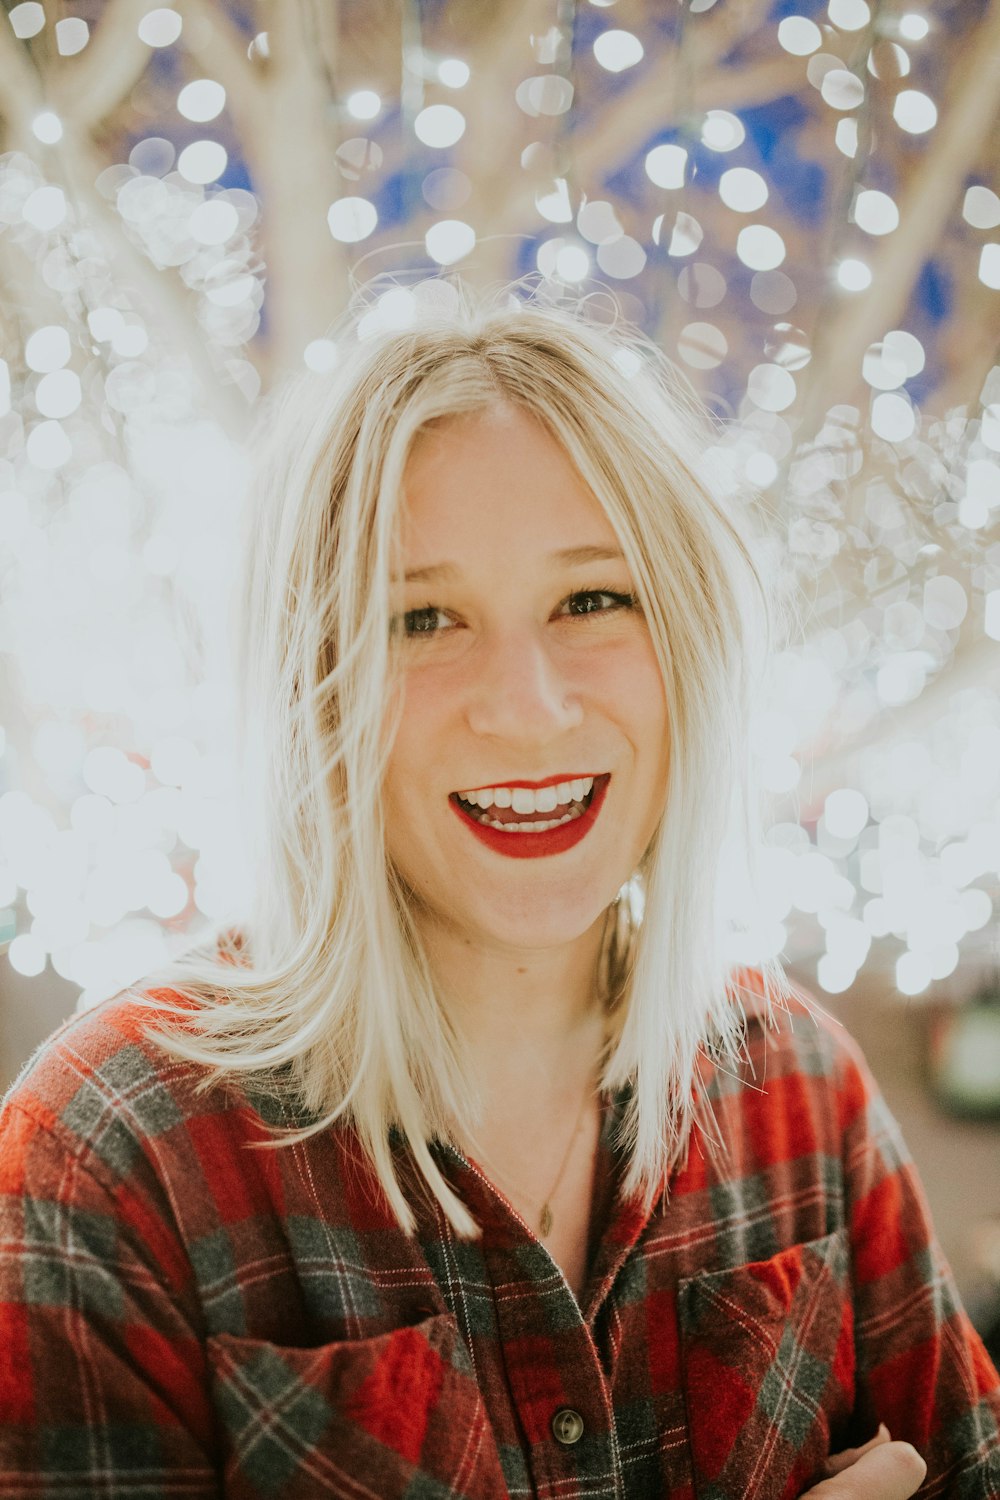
545	1221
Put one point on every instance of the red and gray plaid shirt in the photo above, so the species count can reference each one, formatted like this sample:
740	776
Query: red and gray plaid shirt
181	1316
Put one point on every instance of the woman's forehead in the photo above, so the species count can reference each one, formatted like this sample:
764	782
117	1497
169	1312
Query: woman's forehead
497	467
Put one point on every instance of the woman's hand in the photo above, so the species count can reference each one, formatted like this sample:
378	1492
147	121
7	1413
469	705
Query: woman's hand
881	1470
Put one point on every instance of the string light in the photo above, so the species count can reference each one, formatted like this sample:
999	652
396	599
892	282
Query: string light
47	127
364	104
439	125
159	27
799	35
618	50
201	100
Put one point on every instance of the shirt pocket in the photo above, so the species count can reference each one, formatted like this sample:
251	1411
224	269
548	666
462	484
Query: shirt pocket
768	1358
400	1414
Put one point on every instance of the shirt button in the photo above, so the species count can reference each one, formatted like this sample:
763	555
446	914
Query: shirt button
567	1426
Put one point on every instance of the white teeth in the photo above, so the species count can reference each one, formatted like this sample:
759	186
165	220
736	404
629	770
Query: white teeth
532	827
526	800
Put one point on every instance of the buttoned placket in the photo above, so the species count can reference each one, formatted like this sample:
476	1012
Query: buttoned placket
569	1422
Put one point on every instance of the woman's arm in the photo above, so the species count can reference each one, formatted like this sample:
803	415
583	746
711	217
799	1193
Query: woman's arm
103	1385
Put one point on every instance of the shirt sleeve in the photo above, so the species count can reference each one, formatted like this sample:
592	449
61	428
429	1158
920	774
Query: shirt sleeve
103	1385
921	1366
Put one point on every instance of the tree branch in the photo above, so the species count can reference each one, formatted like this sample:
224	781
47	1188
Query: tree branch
220	48
91	86
924	209
21	97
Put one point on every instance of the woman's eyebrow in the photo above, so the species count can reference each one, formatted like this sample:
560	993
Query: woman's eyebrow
437	572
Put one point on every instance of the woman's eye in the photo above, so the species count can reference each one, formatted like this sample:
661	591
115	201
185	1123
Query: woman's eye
618	601
422	622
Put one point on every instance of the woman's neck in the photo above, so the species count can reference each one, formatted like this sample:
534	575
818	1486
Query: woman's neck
531	1022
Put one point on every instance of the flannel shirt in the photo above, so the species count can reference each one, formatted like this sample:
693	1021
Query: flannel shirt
180	1316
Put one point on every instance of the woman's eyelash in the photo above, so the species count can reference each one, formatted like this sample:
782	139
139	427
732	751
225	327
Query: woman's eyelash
620	601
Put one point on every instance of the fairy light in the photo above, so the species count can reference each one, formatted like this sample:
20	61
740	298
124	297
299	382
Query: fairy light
842	89
760	247
364	104
853	274
554	205
26	20
45	208
58	394
546	94
849	15
449	240
722	131
202	161
621	258
666	165
914	111
597	221
48	348
743	190
618	50
572	263
702	345
47	127
439	125
201	100
799	36
989	266
981	207
160	27
875	212
72	35
913	26
453	73
351	219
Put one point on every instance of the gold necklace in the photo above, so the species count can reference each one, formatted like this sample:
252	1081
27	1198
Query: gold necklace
546	1218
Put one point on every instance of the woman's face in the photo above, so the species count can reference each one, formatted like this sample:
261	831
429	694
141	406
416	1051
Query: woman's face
519	668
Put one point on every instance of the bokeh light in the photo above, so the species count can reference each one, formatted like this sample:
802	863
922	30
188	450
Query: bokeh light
171	264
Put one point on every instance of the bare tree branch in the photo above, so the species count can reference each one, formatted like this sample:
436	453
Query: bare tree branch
283	111
172	306
623	127
220	48
924	210
21	97
90	86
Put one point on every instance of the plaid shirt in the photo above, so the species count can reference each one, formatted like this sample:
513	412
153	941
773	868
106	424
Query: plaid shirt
180	1316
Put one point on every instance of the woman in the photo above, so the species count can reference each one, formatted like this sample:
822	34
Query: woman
470	1166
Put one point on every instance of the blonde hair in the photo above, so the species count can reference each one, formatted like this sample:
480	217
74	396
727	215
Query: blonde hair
325	996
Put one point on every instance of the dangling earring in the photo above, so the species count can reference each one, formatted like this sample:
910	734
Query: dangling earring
621	926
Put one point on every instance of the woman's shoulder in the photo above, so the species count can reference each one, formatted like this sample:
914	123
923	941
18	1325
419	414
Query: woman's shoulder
101	1087
792	1046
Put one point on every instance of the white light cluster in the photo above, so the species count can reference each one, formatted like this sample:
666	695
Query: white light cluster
138	835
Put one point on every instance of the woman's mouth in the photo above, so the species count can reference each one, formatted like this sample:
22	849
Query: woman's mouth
525	823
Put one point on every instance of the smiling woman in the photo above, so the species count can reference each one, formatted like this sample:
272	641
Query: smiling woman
469	1164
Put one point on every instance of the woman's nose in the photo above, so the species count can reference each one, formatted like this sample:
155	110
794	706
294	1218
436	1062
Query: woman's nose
521	692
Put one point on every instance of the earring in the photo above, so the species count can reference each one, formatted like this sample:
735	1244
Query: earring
621	926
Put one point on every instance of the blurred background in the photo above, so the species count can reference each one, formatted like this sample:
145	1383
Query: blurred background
797	200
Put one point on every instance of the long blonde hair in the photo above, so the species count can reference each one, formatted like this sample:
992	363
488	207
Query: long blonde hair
324	996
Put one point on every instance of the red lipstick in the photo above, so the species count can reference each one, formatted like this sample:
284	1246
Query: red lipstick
533	845
535	786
